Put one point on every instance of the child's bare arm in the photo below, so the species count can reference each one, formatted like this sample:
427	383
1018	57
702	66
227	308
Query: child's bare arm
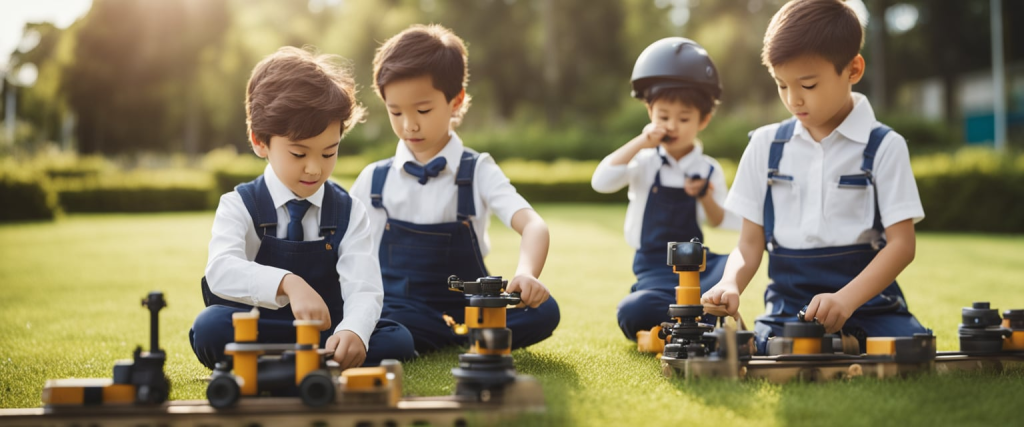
739	269
649	138
533	252
832	310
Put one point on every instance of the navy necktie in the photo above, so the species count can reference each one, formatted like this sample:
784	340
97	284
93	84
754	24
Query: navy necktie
426	172
296	210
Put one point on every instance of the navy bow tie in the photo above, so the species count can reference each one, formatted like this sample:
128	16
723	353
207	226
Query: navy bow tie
426	172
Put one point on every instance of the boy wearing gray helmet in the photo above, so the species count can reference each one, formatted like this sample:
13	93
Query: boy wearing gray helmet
673	186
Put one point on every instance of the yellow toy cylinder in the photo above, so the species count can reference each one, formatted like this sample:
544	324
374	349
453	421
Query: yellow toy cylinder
485	317
245	325
688	291
1015	342
245	369
806	345
307	332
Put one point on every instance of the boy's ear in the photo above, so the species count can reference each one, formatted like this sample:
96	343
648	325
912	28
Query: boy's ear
258	147
650	111
458	100
856	67
705	121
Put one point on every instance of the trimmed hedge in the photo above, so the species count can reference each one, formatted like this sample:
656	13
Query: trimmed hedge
140	199
26	198
973	189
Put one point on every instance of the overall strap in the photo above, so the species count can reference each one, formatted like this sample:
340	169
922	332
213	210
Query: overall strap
380	174
874	141
260	205
335	215
782	135
707	182
464	179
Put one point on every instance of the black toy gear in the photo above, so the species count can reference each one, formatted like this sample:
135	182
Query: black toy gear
674	62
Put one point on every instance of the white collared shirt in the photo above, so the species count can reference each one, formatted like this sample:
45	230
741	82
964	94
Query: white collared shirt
813	211
233	274
436	201
639	175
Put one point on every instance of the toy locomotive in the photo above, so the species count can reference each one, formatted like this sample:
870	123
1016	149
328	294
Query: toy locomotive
691	349
137	381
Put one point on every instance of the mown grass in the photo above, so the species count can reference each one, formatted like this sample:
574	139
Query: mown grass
71	292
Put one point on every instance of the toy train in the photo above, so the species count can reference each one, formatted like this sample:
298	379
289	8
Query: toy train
138	381
691	349
256	369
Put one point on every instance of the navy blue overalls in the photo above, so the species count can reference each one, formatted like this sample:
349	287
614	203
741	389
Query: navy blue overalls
314	261
416	260
799	274
669	216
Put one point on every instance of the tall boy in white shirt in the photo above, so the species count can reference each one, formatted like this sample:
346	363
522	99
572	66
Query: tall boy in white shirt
292	243
829	193
673	185
431	203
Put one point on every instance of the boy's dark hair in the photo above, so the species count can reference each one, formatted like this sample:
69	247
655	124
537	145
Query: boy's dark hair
826	28
424	50
296	93
693	96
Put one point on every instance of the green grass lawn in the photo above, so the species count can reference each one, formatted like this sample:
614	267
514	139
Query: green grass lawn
71	292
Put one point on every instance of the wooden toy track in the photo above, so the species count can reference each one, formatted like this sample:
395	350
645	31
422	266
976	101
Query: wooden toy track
523	395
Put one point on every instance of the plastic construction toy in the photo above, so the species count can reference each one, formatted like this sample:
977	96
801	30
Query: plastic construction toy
805	352
256	369
304	387
138	381
487	368
687	337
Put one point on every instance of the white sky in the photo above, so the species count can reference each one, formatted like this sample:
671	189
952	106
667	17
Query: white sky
15	13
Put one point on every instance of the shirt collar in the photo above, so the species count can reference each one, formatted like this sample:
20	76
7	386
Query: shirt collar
452	153
856	126
696	152
280	193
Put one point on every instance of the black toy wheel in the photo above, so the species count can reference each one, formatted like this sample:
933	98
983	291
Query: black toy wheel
223	391
317	389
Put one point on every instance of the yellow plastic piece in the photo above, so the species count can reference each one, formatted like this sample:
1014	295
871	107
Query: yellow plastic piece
883	346
485	317
119	393
1015	342
458	328
245	364
475	349
648	341
307	332
357	379
806	345
245	325
54	393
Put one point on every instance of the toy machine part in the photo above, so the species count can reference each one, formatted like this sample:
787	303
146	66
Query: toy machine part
137	381
486	371
689	337
250	373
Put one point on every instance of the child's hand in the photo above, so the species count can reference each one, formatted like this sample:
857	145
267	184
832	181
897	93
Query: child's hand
693	187
722	300
652	135
306	303
830	311
531	290
349	350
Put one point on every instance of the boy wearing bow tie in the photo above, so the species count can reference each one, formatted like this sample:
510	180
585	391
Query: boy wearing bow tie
292	243
431	203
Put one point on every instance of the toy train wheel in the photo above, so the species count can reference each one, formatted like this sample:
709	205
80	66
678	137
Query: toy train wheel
317	389
151	394
223	391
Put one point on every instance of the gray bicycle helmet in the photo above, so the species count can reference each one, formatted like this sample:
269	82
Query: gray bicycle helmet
674	62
